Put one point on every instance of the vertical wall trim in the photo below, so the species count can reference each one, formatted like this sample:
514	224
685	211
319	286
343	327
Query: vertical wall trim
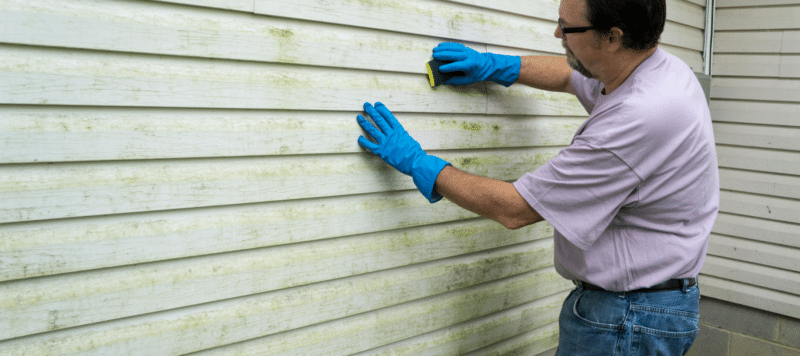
708	49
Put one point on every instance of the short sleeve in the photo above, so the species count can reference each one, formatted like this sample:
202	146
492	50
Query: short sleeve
580	191
586	90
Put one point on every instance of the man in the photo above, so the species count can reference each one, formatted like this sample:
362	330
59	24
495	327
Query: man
632	199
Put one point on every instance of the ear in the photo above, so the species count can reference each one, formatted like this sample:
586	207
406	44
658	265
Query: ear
615	39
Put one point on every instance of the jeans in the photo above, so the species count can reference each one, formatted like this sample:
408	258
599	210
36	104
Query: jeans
657	323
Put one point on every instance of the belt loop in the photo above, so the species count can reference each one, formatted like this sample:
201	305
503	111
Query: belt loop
685	285
579	284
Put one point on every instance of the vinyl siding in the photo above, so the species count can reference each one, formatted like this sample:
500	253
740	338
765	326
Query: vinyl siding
754	248
182	177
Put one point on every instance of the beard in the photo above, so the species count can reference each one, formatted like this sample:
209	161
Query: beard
575	64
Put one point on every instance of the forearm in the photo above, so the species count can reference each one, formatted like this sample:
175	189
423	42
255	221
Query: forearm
491	198
546	72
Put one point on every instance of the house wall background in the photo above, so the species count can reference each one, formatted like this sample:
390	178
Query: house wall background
751	280
183	177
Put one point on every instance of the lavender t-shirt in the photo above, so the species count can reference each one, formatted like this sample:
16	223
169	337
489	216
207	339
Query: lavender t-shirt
635	195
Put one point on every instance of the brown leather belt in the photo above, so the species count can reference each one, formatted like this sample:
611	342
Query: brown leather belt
670	284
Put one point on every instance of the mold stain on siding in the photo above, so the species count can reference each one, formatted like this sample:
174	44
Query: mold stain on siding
287	48
472	126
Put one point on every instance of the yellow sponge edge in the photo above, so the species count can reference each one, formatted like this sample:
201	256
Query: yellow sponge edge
430	74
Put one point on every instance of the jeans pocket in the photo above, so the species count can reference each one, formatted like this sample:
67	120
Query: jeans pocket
662	331
601	313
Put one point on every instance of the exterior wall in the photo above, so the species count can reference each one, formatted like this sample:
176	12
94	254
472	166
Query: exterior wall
183	177
728	329
755	101
751	280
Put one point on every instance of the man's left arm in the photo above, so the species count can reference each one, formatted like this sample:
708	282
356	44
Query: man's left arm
491	198
436	178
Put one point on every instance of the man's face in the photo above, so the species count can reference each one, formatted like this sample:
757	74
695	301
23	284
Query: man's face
572	13
574	63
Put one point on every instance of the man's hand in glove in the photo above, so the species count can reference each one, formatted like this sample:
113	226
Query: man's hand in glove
499	68
399	150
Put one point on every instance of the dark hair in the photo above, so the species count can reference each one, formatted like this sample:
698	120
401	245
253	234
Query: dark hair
641	21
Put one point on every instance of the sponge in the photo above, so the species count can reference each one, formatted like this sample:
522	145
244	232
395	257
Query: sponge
435	76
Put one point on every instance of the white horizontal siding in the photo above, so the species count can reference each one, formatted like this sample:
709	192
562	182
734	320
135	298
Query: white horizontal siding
753	112
760	183
224	35
758	252
756	274
524	318
758	89
445	20
757	18
201	32
532	342
204	326
753	3
363	332
29	134
752	285
782	138
61	77
771	231
540	9
57	191
70	245
748	43
753	296
758	65
176	283
680	11
238	5
772	208
183	177
755	102
782	162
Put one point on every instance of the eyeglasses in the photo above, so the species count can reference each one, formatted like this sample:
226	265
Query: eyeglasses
574	29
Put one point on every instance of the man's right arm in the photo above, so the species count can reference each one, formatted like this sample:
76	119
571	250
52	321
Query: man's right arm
541	72
547	73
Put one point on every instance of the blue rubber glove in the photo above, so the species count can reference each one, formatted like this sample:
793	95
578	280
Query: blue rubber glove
397	148
499	68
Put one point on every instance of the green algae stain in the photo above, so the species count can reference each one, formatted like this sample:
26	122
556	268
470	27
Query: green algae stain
388	204
368	3
469	161
473	126
472	229
472	17
287	48
282	33
285	80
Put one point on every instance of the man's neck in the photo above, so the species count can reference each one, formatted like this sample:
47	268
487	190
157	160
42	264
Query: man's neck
620	68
